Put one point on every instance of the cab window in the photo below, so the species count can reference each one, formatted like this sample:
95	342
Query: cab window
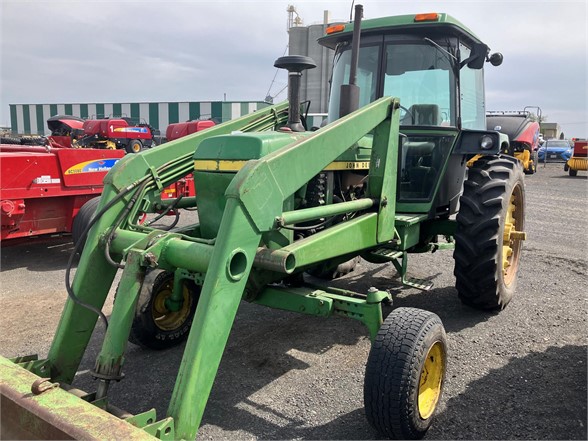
471	82
420	74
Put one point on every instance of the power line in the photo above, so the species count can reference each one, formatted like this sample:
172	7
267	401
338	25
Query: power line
267	95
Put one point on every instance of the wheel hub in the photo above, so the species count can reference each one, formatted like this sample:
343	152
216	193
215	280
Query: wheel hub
511	237
430	381
163	317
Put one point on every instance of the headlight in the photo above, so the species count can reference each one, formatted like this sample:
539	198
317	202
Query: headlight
486	142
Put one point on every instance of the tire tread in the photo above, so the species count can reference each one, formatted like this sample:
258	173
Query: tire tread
393	370
478	239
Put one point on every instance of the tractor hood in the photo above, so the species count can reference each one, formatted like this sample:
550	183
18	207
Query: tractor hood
228	153
219	158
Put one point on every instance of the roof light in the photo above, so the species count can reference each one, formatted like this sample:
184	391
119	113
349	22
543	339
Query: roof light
335	28
431	16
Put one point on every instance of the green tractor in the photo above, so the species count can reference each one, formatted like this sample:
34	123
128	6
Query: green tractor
385	177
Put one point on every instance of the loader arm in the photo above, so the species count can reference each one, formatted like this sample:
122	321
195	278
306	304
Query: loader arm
94	274
255	200
254	206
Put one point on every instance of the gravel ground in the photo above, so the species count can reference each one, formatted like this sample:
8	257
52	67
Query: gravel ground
520	374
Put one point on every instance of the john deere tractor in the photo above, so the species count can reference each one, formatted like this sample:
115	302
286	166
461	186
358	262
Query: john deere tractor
385	177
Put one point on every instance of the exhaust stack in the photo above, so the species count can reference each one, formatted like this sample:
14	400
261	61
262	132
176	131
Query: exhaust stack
350	92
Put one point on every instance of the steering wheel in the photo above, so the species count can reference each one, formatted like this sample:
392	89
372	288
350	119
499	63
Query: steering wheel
408	112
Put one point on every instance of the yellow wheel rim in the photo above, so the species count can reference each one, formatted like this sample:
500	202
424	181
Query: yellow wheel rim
430	381
136	147
511	240
165	319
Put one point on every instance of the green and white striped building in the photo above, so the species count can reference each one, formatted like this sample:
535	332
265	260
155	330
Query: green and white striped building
31	119
27	119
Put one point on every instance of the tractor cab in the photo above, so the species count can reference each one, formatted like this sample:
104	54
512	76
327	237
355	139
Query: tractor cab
430	61
433	64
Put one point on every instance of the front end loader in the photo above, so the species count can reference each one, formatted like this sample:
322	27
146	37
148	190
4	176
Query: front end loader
275	202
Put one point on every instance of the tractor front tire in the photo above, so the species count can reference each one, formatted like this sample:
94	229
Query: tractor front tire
489	234
82	220
154	325
134	146
405	373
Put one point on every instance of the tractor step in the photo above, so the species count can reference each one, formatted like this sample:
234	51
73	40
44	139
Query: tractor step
387	254
422	284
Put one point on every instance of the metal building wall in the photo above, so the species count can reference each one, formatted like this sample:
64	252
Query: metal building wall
32	118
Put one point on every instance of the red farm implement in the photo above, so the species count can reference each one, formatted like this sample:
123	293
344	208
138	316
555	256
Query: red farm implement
62	129
114	133
43	188
579	159
185	186
522	130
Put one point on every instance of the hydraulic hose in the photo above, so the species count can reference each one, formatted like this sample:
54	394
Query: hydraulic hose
78	246
161	215
119	221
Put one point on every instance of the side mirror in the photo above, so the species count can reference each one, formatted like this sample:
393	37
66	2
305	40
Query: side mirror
496	59
479	55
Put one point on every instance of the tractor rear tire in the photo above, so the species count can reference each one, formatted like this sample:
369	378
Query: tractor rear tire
82	220
134	146
486	253
573	172
154	325
405	373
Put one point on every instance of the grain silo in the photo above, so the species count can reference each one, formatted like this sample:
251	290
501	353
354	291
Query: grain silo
315	82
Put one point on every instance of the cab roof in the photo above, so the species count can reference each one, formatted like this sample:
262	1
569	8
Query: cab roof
444	23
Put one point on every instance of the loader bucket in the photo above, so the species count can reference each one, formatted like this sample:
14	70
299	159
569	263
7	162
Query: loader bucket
45	411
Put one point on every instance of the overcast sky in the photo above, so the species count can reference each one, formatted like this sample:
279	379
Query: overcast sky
123	51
